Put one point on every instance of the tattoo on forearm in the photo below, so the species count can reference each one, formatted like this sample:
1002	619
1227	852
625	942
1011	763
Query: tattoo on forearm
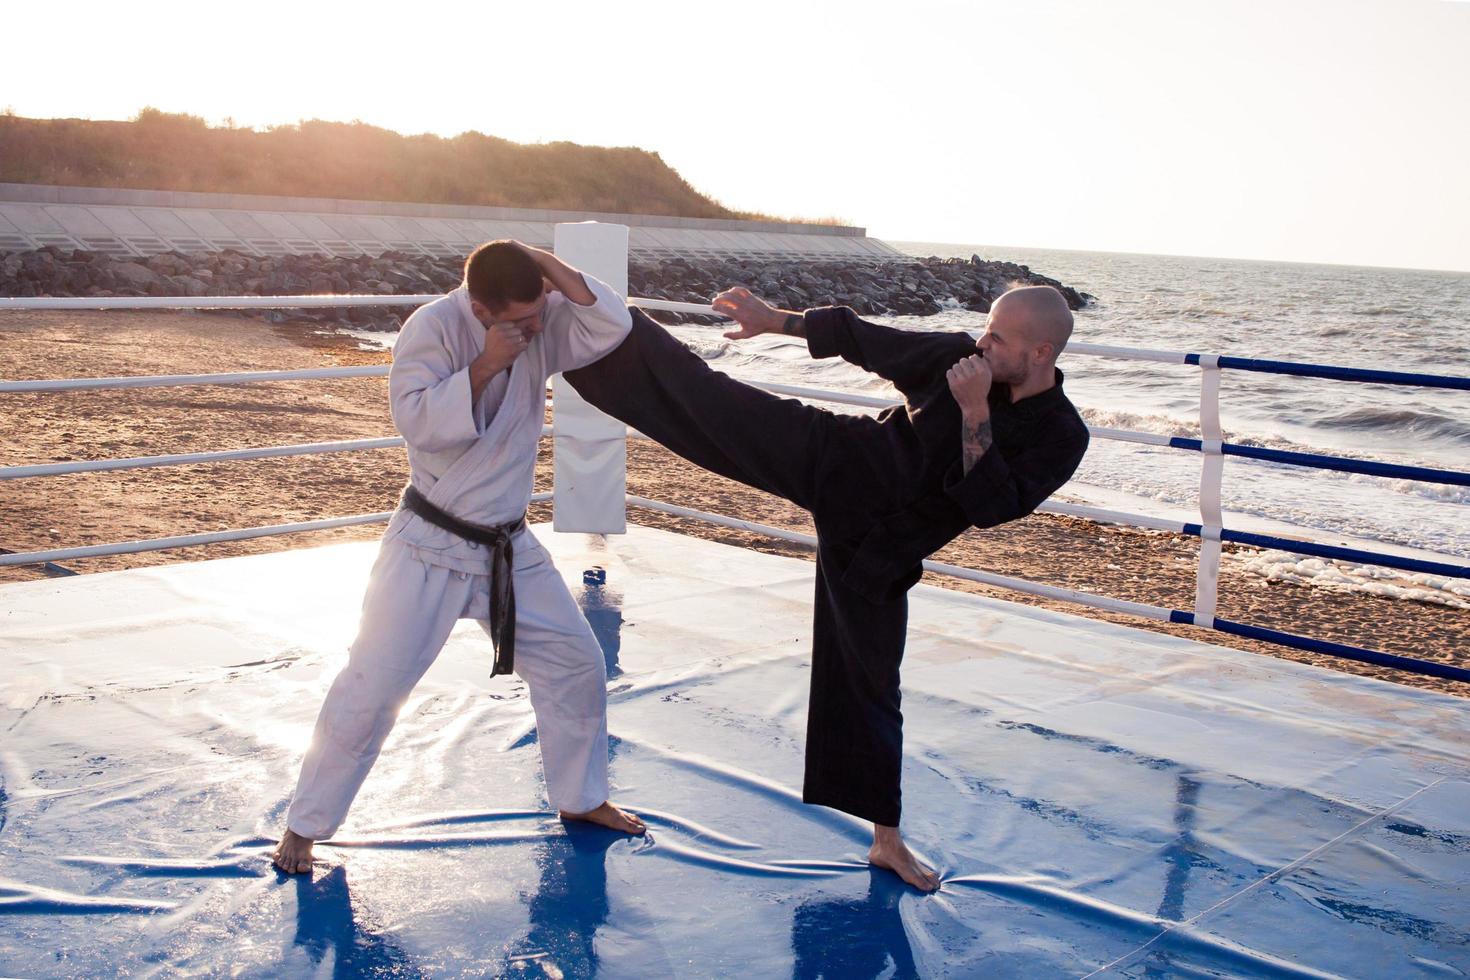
794	325
976	439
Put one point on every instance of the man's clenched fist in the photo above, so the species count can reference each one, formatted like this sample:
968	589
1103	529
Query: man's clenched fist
969	382
504	342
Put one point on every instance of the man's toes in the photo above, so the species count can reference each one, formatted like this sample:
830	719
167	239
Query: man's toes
924	882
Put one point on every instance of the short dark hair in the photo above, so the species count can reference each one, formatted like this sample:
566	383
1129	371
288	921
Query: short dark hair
499	273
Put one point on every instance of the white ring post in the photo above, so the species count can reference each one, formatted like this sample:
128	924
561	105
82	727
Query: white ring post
590	481
1212	469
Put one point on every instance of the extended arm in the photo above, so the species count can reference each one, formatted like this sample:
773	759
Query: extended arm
756	316
910	359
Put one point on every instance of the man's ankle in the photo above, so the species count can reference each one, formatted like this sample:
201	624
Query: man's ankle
886	835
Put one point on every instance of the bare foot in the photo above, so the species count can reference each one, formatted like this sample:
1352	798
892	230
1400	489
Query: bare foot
293	854
611	817
889	851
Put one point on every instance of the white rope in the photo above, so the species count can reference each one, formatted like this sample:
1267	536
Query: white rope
1111	516
192	540
177	380
723	521
208	302
823	394
300	302
1128	353
1095	350
673	307
955	571
187	540
1050	591
186	459
1129	435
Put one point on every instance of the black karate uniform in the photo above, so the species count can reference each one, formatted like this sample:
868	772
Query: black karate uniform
884	493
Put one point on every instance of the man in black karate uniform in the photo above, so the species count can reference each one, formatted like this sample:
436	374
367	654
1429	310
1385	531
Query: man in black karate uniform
984	436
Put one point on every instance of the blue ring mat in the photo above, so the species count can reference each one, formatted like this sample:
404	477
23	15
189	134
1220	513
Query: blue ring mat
1099	800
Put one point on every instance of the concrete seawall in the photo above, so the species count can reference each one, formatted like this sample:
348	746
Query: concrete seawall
125	222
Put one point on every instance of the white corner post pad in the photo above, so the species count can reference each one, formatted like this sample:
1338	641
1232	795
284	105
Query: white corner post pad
1212	471
590	462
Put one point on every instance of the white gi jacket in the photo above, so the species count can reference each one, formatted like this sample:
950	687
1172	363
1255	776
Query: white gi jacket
478	462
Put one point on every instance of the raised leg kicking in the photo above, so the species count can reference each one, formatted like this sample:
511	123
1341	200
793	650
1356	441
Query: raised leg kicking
985	434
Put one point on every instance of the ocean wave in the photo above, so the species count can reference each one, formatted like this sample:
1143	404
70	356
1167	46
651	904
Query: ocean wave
1439	492
1399	311
1342	576
1162	425
1188	428
710	346
1400	421
1384	421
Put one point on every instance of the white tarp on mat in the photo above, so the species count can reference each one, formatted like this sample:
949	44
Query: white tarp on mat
1096	798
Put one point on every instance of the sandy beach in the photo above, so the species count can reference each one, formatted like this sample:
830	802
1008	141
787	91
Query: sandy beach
83	509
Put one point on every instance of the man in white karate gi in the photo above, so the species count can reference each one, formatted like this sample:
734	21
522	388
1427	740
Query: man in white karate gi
468	393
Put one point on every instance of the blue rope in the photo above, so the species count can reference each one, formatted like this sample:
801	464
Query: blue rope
1317	461
1332	551
1339	373
1360	654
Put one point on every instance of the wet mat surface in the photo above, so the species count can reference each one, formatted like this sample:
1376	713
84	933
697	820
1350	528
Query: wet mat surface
1097	799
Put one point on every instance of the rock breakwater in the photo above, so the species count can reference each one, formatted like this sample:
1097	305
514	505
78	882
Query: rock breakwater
917	287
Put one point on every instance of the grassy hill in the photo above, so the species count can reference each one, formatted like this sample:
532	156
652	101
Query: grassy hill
168	151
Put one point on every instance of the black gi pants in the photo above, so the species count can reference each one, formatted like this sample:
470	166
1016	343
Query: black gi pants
830	465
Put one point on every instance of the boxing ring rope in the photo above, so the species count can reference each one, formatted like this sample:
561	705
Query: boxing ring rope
955	571
1144	610
1210	530
182	380
210	537
1211	446
186	459
300	302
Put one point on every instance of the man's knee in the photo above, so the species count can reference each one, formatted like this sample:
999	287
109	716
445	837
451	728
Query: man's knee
365	702
573	669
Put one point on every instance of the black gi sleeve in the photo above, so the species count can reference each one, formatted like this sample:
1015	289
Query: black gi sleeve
999	489
911	359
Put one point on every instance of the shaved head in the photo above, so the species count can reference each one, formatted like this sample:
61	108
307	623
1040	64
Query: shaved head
1027	328
1040	313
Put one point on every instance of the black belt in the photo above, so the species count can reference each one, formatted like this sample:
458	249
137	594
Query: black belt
502	570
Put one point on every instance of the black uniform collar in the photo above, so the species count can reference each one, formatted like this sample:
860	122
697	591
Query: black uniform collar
1033	406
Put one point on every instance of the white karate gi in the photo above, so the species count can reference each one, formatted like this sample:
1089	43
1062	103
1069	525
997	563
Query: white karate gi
477	462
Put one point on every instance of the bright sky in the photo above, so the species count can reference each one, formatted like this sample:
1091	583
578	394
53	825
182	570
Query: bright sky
1332	131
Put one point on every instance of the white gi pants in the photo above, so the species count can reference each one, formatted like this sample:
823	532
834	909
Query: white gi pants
407	615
